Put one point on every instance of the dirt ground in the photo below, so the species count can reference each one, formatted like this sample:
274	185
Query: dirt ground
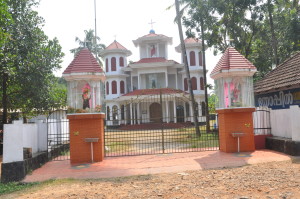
271	181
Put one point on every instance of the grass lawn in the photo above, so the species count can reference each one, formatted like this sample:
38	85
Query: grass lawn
14	186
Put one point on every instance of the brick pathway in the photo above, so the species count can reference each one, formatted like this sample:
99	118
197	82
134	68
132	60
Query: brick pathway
152	164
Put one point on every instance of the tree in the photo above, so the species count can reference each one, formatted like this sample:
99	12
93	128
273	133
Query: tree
28	61
89	42
265	31
195	114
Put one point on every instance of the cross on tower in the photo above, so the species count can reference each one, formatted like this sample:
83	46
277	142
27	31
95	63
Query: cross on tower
152	22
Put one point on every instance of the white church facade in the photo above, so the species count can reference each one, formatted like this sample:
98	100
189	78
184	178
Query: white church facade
154	88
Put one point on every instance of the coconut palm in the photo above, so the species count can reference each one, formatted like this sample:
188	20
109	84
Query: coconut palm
90	42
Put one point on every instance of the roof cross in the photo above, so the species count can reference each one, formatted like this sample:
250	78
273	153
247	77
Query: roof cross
152	22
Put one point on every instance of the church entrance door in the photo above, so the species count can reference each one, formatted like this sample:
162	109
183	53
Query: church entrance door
180	113
155	112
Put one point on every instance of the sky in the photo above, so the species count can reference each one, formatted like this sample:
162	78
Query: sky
116	19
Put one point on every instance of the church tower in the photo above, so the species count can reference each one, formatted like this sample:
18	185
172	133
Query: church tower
115	59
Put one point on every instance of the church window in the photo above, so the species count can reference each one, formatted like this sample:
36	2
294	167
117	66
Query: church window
194	83
185	84
201	83
113	64
106	64
122	87
200	59
107	88
114	87
192	58
121	60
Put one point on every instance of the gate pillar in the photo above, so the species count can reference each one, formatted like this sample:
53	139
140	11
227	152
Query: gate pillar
236	131
82	126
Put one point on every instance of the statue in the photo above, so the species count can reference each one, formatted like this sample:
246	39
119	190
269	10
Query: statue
86	96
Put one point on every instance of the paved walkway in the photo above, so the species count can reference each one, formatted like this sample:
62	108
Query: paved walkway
152	164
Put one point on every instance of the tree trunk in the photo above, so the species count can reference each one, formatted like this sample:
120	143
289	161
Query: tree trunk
204	77
4	97
274	41
183	50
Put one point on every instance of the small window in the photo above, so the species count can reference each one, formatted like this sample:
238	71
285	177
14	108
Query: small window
201	83
122	87
194	83
113	64
192	58
121	60
114	87
185	84
107	88
106	64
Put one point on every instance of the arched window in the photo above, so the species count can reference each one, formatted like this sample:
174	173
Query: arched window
115	113
107	113
185	84
192	58
201	83
122	87
107	88
194	83
200	59
106	64
113	64
114	87
121	60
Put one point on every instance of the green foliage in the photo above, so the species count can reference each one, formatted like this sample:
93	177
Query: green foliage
264	31
89	42
212	101
28	61
14	186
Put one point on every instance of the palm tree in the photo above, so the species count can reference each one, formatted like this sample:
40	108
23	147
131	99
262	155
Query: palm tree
89	42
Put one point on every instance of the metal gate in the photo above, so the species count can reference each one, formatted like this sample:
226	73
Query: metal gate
157	124
58	136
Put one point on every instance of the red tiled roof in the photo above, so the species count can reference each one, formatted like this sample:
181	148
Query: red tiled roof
153	35
153	60
232	59
115	45
191	40
83	62
154	91
285	75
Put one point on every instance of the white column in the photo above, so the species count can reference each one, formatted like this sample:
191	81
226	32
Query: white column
131	114
138	113
139	82
166	75
191	112
176	79
175	116
167	111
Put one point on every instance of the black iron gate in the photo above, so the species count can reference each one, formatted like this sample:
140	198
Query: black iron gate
58	136
154	124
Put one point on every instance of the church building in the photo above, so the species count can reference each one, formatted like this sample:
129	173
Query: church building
153	88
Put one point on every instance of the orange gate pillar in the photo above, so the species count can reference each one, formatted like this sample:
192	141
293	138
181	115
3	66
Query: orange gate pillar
83	126
233	122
